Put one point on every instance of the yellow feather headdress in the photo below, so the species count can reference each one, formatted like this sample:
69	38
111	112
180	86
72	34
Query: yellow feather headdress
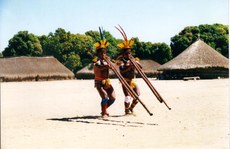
102	44
127	44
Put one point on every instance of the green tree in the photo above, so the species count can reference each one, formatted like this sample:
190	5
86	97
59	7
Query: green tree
112	49
44	42
94	34
57	44
145	51
215	35
137	47
72	61
159	52
69	49
23	44
81	43
162	53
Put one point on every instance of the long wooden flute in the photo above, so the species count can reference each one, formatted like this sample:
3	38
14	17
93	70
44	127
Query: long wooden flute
145	78
123	81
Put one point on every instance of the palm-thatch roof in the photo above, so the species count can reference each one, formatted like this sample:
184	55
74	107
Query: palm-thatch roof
33	69
195	60
86	72
149	67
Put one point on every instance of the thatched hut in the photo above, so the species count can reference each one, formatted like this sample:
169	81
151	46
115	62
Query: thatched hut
86	72
149	68
199	59
33	69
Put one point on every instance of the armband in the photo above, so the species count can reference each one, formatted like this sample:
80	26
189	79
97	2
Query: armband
137	59
119	63
95	60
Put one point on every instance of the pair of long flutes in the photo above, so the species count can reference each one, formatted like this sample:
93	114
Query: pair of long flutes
145	78
122	80
125	84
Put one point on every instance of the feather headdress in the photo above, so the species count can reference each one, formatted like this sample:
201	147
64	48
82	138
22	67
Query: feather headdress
102	43
127	44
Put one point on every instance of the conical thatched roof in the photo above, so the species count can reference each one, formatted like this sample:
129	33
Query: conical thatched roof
149	67
198	55
33	68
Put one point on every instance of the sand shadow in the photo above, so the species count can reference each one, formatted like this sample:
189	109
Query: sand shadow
103	121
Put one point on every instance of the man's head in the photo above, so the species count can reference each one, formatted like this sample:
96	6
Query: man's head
127	52
101	45
101	53
126	45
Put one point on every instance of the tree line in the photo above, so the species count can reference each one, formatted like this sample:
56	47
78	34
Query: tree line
70	49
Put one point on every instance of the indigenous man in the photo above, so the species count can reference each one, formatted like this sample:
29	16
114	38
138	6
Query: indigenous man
127	70
101	71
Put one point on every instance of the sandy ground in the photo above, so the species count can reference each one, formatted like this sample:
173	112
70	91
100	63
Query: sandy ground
65	115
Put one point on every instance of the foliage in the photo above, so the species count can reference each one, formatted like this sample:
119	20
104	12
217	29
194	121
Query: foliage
70	49
137	47
112	49
159	52
23	44
94	34
162	53
215	35
72	60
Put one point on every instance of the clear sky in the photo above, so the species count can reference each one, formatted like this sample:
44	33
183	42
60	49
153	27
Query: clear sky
149	20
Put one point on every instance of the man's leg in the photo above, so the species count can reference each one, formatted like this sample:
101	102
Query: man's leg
128	99
111	93
134	103
104	106
104	100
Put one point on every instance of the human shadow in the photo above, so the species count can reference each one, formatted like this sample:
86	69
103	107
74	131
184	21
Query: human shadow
69	119
90	119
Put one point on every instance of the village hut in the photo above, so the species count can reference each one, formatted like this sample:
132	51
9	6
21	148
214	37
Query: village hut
149	68
33	69
198	60
86	72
